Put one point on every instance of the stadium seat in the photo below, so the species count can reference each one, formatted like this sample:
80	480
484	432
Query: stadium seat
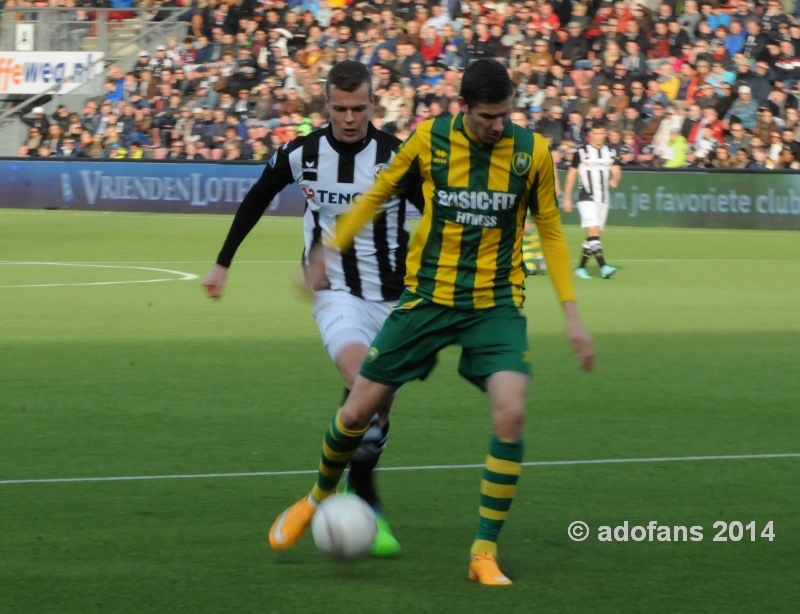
161	153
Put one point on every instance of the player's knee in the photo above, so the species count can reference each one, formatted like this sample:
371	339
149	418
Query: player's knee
355	418
509	421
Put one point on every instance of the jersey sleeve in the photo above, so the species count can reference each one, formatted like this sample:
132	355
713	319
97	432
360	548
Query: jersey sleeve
544	210
276	176
576	159
402	175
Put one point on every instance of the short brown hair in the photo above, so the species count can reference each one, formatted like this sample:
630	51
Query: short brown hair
348	76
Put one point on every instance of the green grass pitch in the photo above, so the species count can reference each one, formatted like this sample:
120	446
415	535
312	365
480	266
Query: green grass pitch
697	340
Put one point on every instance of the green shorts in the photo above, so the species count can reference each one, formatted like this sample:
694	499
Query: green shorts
491	340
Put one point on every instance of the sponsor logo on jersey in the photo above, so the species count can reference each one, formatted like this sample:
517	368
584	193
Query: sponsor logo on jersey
476	219
598	165
380	168
521	163
328	197
477	201
440	156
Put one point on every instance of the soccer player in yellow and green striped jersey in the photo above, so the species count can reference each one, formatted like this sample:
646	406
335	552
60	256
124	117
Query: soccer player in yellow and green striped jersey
480	174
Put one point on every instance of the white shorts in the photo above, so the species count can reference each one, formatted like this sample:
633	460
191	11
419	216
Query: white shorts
593	214
344	319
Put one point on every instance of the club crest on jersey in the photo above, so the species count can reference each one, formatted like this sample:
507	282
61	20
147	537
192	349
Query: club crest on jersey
380	168
521	163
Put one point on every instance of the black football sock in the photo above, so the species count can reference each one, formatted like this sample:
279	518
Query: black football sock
361	477
597	250
586	253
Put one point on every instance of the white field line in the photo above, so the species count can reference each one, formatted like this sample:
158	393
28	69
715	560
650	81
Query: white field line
608	461
209	262
151	215
181	276
751	260
112	262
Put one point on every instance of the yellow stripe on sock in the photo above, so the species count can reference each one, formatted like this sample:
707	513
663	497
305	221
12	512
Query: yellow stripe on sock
483	545
319	495
330	473
345	431
498	491
336	457
485	512
503	466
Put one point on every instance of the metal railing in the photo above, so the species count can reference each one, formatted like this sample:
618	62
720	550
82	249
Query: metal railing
70	29
150	34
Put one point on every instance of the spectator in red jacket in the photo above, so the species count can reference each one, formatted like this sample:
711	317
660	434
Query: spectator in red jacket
431	45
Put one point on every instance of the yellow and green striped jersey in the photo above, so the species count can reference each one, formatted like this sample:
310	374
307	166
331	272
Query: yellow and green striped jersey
467	251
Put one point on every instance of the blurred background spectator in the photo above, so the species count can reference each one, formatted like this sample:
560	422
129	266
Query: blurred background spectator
691	84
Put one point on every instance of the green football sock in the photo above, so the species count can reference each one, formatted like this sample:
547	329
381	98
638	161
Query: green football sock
338	447
500	475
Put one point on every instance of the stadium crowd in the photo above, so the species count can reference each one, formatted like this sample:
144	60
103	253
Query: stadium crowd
687	84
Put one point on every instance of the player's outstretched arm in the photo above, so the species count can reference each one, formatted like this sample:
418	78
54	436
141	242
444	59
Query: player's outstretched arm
401	175
276	176
556	252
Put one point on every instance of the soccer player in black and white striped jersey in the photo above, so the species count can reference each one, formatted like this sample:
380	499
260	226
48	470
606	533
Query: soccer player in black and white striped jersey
597	168
332	167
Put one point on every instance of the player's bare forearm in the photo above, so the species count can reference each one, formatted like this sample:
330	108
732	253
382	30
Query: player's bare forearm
569	186
578	336
616	176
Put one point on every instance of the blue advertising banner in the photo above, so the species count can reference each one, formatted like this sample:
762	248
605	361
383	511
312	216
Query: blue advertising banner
136	186
705	199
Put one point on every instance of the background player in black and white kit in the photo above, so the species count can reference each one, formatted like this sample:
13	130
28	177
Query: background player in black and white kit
597	168
332	167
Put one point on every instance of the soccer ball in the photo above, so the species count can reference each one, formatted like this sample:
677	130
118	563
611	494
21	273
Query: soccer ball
344	527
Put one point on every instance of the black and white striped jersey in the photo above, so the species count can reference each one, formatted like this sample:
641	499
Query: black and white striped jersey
331	174
594	170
